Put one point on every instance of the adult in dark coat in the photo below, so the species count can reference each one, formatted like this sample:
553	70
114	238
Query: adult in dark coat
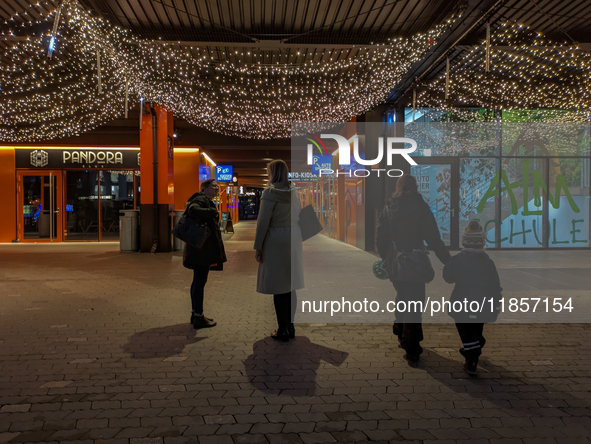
410	224
201	207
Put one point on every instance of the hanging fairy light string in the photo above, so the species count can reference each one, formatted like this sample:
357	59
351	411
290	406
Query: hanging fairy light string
256	93
47	98
520	70
56	22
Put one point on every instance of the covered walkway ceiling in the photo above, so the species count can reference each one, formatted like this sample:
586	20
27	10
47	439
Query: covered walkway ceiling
281	37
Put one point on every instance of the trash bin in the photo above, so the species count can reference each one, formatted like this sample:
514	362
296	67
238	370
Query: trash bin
128	224
177	244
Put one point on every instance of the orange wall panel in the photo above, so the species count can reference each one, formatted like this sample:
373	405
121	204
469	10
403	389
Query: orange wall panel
146	169
186	176
7	195
165	128
165	133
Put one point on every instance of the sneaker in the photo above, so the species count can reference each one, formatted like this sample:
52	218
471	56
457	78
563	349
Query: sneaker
470	367
203	322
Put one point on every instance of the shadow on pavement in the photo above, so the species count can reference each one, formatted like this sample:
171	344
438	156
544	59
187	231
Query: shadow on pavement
161	342
493	382
289	369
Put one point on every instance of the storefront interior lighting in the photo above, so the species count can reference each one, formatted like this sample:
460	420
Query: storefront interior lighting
187	150
209	159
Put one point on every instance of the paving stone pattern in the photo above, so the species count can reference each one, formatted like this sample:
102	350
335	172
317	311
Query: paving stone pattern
95	347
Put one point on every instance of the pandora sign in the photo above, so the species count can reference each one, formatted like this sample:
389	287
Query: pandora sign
92	157
56	158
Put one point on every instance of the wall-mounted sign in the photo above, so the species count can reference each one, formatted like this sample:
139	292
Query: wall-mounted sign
223	173
321	162
76	158
302	176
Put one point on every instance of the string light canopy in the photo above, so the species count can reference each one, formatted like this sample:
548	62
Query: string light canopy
527	71
248	93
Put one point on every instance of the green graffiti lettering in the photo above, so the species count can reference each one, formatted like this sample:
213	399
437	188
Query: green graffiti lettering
554	241
526	211
492	221
492	191
536	232
575	231
561	185
512	234
539	184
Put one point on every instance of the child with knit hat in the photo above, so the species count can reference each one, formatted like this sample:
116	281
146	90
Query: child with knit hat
476	279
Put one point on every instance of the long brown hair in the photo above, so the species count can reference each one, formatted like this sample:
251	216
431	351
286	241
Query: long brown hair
278	171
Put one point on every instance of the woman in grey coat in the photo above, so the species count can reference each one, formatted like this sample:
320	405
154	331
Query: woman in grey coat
278	245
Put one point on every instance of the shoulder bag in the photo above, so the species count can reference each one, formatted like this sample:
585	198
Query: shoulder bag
191	231
408	266
309	223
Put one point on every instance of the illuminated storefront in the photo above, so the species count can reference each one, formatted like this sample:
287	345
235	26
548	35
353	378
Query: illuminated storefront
68	194
527	183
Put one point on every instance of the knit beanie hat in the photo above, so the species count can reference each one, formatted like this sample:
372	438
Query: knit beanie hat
473	236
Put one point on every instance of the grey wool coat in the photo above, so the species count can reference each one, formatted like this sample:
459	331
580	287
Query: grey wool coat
278	236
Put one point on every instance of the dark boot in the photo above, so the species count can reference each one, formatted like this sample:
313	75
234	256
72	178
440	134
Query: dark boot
203	322
282	333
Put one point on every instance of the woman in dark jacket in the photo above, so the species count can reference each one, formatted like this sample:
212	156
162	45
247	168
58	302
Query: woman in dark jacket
408	221
201	207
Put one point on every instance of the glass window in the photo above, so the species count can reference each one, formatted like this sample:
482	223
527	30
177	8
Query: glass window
477	176
434	184
568	209
522	202
116	195
545	139
454	139
82	206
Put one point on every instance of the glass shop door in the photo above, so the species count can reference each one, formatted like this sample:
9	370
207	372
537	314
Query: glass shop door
438	182
40	206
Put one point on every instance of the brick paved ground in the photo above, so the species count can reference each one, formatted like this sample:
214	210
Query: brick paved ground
95	347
